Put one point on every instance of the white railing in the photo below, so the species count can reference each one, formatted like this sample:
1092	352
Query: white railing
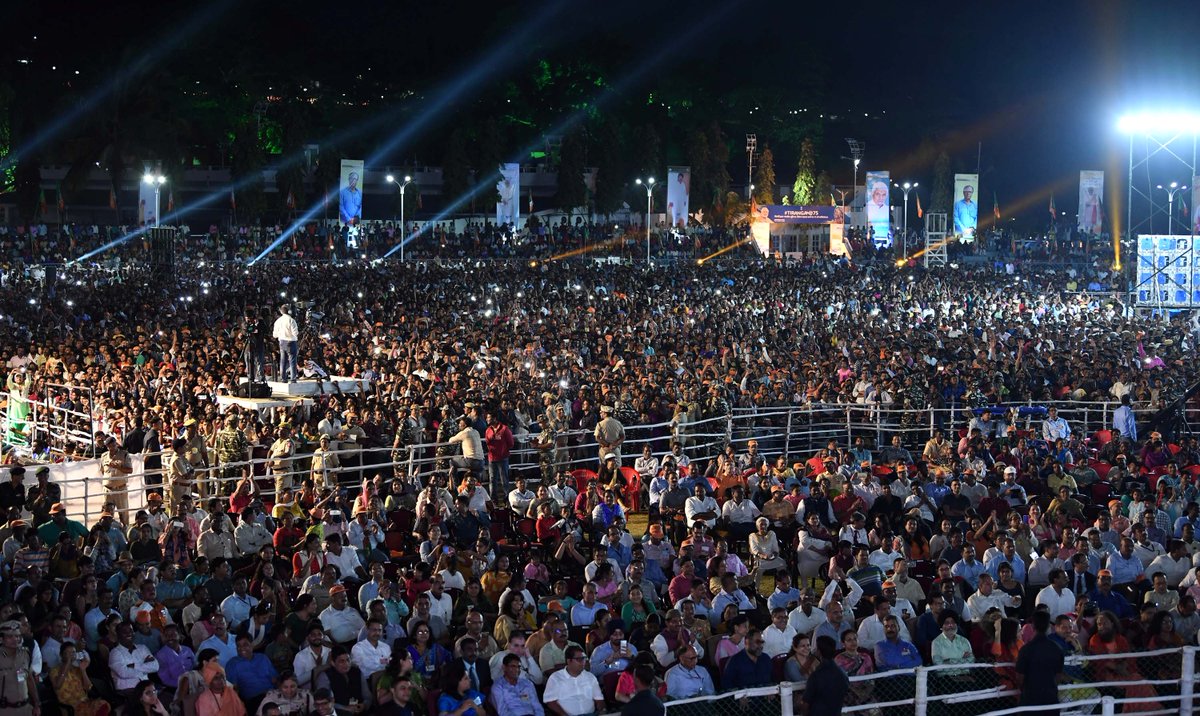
791	431
910	689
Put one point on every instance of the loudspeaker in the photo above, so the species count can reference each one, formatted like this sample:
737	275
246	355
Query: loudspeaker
254	390
162	250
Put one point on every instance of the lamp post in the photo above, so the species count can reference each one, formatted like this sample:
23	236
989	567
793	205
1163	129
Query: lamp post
403	228
856	154
649	184
906	187
1172	189
156	181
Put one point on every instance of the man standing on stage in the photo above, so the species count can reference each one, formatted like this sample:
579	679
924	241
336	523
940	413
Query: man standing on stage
287	332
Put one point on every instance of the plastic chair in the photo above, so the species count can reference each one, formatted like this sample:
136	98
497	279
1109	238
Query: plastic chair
633	488
1100	467
582	476
1102	437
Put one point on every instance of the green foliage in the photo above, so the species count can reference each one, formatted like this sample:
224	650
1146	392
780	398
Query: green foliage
572	192
611	172
764	178
823	190
804	188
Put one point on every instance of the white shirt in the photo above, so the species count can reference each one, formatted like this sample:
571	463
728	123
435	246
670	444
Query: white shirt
745	511
698	505
980	604
805	623
444	607
870	631
285	329
130	666
529	667
371	659
304	663
1059	603
776	641
472	447
1174	570
886	561
346	562
574	694
341	624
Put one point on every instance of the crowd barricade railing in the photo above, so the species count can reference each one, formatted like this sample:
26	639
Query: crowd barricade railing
1165	678
794	431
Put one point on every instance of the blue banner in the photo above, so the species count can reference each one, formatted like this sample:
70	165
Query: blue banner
816	214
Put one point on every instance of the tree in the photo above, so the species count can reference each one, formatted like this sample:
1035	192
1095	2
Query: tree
804	188
572	192
700	157
823	189
718	160
610	170
456	167
647	151
943	187
764	177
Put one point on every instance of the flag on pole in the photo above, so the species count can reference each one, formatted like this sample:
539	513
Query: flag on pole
232	200
112	198
531	201
920	213
420	200
291	200
42	202
1183	207
1053	213
62	206
995	207
171	201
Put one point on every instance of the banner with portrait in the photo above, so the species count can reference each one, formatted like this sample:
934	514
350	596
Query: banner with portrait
966	206
1091	197
879	207
1195	215
679	181
508	194
838	246
350	194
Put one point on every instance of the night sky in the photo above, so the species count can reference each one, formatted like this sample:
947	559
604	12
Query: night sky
1039	84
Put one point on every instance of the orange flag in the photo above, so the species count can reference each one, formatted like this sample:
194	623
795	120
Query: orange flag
920	214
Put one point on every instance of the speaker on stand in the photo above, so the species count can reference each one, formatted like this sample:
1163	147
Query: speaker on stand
162	250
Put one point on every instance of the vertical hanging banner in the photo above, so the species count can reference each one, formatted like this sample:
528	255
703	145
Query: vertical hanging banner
966	206
350	196
1091	194
508	193
679	181
838	246
145	204
1194	221
879	207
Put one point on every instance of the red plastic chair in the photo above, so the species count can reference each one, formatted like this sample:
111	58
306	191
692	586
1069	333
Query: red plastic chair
633	488
582	476
1100	467
1193	470
1174	448
1153	475
1101	493
1102	437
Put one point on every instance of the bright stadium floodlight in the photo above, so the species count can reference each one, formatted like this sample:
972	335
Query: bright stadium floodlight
391	179
156	181
1159	123
649	184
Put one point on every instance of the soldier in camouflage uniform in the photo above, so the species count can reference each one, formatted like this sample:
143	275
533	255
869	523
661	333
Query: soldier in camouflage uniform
408	434
231	447
447	428
546	443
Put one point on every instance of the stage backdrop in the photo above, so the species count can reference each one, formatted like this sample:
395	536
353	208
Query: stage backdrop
508	194
679	181
350	193
966	205
879	207
1091	194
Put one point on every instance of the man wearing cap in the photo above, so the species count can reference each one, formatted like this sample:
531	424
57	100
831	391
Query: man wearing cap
42	496
181	474
232	448
325	466
18	683
340	621
280	458
58	524
195	451
115	468
12	493
1108	600
609	434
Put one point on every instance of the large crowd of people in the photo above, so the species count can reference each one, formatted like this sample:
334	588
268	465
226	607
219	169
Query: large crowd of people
271	572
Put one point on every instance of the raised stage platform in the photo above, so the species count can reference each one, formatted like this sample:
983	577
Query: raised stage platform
306	387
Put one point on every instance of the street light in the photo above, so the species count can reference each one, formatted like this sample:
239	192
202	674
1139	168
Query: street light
906	187
403	228
156	181
856	153
649	184
1172	189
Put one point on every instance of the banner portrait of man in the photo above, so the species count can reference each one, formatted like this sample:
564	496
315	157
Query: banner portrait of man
966	206
879	207
350	196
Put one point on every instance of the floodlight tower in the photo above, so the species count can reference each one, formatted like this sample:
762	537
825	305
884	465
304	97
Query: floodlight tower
751	147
